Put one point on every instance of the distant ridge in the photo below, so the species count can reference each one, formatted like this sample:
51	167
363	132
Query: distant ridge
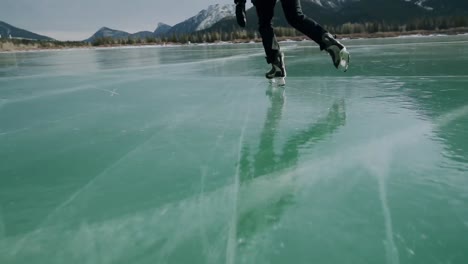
9	31
106	32
203	20
142	35
161	29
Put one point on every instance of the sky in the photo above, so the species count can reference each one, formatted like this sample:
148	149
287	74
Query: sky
79	19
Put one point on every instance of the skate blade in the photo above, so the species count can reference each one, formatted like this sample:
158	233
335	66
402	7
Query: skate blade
344	60
279	81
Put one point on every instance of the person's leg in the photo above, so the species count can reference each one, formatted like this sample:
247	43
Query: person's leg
326	41
297	19
265	11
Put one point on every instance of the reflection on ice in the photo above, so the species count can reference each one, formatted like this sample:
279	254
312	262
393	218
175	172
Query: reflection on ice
262	199
264	195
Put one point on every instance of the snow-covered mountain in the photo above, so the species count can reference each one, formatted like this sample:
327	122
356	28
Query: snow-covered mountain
213	14
421	3
334	4
204	19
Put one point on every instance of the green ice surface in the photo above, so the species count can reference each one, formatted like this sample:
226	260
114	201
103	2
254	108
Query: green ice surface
188	155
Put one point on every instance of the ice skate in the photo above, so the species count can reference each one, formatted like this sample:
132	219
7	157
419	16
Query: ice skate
340	56
277	74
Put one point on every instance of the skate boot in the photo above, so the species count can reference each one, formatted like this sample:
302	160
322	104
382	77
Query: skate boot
278	70
340	56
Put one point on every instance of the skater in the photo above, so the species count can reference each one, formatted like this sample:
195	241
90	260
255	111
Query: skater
295	17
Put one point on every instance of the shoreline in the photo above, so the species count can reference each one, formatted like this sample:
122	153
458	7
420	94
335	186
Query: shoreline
21	48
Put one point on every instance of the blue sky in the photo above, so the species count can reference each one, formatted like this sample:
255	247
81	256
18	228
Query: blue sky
79	19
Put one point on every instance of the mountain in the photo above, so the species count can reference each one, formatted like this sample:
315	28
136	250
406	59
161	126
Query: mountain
7	30
161	29
338	12
421	3
444	6
142	35
394	11
400	11
106	32
221	18
332	4
204	19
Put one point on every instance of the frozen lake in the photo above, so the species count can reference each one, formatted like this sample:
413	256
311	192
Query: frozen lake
188	155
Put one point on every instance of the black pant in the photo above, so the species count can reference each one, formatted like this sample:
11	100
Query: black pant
294	16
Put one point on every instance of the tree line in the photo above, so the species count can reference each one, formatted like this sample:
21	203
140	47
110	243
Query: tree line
242	35
425	23
43	44
237	34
